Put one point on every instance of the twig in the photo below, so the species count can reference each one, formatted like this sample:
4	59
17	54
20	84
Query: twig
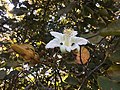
59	75
34	81
55	67
60	78
92	72
80	57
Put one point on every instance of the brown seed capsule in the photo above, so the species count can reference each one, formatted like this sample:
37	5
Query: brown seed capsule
84	55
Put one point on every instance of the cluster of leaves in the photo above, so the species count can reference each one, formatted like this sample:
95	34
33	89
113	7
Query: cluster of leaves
30	21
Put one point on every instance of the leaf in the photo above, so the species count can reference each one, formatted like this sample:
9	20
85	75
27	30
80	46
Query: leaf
18	49
27	46
12	64
24	50
115	57
85	55
15	2
103	12
19	11
92	37
107	84
69	7
2	74
114	72
89	9
12	74
27	52
71	80
35	60
85	10
112	29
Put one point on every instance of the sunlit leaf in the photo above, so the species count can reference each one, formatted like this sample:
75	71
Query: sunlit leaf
27	52
35	60
23	50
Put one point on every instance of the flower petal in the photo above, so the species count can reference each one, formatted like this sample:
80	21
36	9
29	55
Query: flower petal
57	35
74	33
62	49
68	48
75	46
53	43
80	40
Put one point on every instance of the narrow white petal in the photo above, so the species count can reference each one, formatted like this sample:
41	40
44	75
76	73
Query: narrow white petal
79	40
53	43
75	46
78	48
62	49
74	33
82	41
57	35
68	49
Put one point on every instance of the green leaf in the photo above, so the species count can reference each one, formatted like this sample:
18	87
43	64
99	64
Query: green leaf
68	8
103	12
107	84
71	80
15	2
88	10
2	74
114	72
12	64
112	29
12	74
19	11
115	57
92	37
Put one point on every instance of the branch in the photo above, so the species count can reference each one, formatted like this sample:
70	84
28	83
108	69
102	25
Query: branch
92	72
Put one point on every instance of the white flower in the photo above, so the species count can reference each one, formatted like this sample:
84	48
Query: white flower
67	41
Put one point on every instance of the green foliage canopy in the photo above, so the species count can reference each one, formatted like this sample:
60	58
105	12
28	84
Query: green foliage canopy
30	22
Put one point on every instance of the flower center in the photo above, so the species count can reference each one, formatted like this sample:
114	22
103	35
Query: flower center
67	38
68	32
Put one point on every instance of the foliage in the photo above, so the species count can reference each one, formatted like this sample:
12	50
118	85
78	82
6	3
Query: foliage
27	26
